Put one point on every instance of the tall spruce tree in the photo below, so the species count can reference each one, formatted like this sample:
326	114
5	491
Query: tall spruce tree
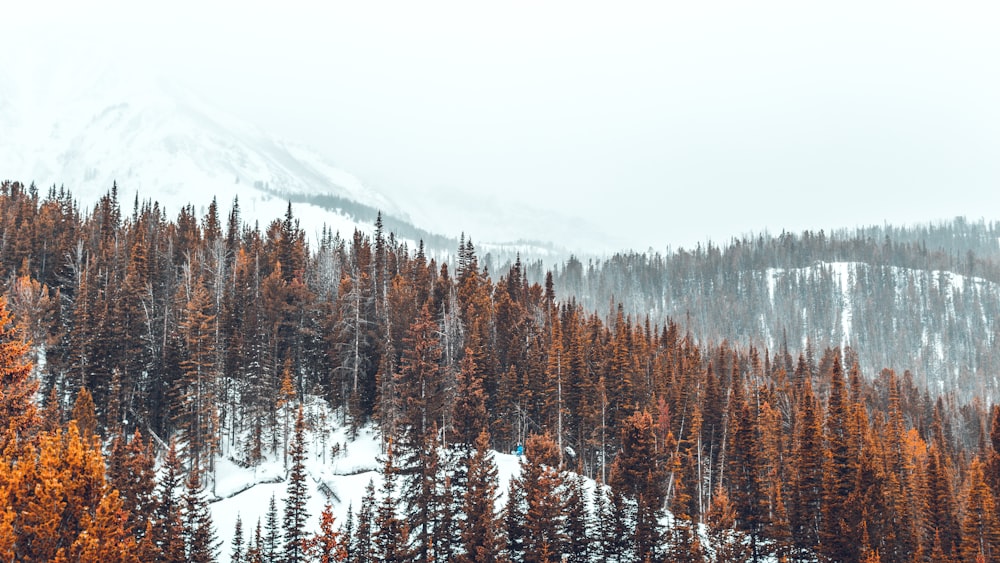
391	536
271	546
18	413
237	554
545	515
480	531
201	543
637	476
297	496
169	528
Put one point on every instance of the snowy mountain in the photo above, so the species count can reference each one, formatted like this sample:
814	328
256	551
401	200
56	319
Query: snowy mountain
162	143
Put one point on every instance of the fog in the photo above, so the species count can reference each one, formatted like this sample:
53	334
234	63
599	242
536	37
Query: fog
645	125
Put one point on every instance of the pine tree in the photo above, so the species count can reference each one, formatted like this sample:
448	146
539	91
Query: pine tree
636	475
328	545
286	394
57	505
578	522
728	544
941	529
480	537
84	413
201	544
419	404
839	472
237	554
255	549
297	495
271	544
105	537
195	415
514	519
544	518
361	549
169	529
807	465
131	470
605	539
18	413
747	495
390	541
980	527
8	536
470	404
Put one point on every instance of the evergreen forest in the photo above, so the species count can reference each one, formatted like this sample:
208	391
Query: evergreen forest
138	349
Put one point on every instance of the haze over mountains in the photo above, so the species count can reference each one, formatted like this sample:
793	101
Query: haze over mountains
161	141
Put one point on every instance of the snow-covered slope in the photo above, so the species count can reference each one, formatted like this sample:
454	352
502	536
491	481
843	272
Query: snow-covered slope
158	141
338	471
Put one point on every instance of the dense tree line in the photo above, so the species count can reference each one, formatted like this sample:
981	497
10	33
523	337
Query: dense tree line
923	298
183	332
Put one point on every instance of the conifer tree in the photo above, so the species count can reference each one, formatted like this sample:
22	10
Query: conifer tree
286	394
57	505
328	545
839	473
447	535
271	544
514	520
728	544
361	547
578	522
992	468
480	537
8	536
195	414
544	517
390	541
980	527
201	544
237	554
636	475
169	530
105	537
604	530
297	495
84	413
255	548
353	345
18	413
807	466
470	404
131	470
941	529
419	406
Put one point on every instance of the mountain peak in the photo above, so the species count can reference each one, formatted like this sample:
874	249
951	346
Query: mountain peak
159	140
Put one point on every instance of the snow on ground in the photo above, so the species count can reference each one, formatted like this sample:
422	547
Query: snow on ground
246	492
336	466
842	271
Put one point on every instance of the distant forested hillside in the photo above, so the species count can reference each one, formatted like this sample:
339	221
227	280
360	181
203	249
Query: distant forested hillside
922	298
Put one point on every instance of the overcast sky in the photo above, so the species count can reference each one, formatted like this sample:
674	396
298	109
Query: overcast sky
663	123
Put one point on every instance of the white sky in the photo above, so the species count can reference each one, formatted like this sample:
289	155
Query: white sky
663	123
